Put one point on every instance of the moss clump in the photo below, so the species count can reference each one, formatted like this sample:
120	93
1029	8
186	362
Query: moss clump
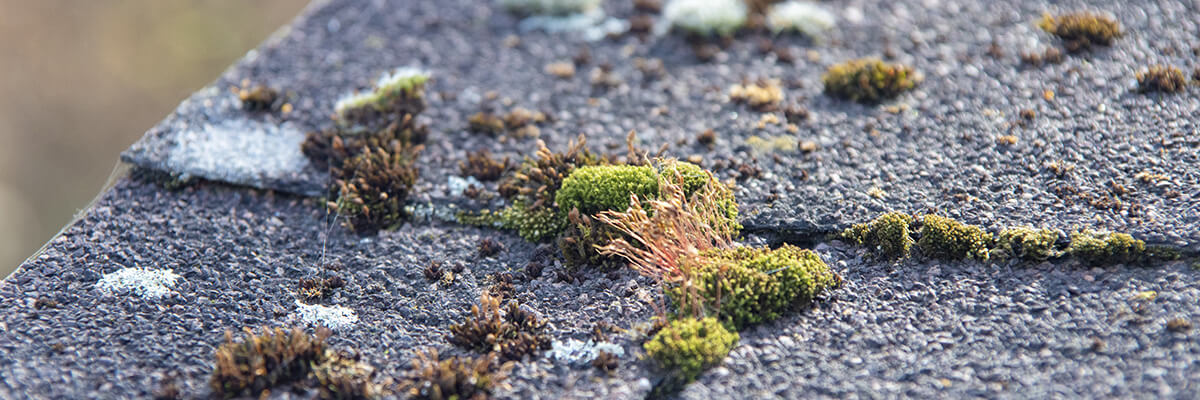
886	235
868	80
1026	243
537	181
277	357
763	96
695	178
373	186
455	378
511	335
581	239
1082	30
396	94
1105	248
948	239
482	166
257	98
689	346
598	188
745	286
1161	78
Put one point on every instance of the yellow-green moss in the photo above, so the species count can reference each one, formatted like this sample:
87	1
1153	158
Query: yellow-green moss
745	286
689	346
1105	248
592	189
945	238
886	235
868	80
1082	30
1026	243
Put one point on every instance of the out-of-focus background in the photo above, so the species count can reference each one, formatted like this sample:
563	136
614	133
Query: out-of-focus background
82	80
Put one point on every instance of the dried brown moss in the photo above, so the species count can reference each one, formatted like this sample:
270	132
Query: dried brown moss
511	334
455	378
482	166
372	187
1161	78
262	361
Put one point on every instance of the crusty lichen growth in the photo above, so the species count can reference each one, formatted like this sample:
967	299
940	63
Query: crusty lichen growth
764	95
706	17
744	286
1105	248
869	80
887	235
1082	30
1161	78
799	16
945	238
689	346
592	189
1026	243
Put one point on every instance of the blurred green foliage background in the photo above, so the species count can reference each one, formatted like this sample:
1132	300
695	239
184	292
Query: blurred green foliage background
82	80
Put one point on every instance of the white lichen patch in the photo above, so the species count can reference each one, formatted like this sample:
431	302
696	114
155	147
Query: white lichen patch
800	16
457	184
704	17
144	282
592	25
332	317
239	151
550	7
577	352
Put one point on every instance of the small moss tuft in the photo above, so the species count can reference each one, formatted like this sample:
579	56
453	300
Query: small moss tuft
582	238
482	166
1161	78
592	189
868	80
886	235
1026	243
945	238
1105	248
689	346
511	334
257	98
763	96
260	362
373	186
1082	30
396	94
745	286
455	378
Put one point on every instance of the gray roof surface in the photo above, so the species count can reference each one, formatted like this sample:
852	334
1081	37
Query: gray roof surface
914	329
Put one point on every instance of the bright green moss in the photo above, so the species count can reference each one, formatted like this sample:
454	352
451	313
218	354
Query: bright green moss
534	224
948	239
1105	248
689	346
745	286
593	189
886	235
868	80
1026	243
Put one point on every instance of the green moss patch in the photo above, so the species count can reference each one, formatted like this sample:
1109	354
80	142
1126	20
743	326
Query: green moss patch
745	286
599	188
1105	248
1026	243
689	346
886	235
868	80
948	239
